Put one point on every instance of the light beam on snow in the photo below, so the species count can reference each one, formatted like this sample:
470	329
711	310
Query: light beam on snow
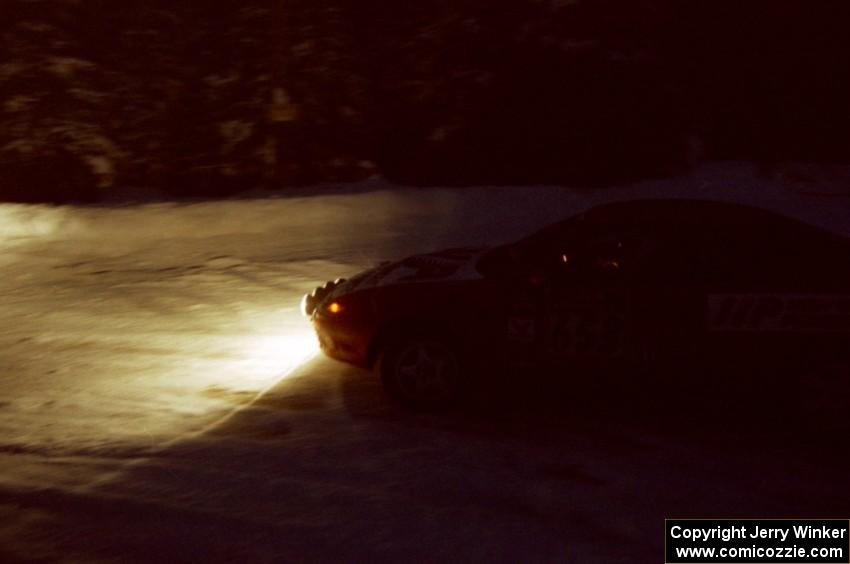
269	356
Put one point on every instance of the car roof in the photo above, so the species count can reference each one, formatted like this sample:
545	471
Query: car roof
679	210
692	215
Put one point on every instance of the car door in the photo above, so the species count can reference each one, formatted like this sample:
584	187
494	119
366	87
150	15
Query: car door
665	299
583	301
607	296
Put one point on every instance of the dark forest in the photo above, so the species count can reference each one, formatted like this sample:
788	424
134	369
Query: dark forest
210	99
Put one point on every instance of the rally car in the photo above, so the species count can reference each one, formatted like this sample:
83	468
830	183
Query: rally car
627	283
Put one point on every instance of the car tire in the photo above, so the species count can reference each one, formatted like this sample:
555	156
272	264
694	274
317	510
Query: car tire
421	372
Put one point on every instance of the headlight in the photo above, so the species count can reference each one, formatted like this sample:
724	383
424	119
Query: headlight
308	304
310	301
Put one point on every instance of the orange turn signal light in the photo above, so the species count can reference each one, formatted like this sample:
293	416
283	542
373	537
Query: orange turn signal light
334	307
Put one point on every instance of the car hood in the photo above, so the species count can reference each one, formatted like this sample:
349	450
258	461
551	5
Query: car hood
441	266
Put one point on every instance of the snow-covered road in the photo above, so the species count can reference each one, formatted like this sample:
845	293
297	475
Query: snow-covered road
160	396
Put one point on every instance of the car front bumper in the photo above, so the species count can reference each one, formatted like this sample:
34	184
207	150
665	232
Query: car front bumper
341	341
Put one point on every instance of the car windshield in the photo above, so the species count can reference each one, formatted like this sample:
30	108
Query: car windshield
534	249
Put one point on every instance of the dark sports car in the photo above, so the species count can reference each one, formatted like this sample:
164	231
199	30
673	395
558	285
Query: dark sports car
629	283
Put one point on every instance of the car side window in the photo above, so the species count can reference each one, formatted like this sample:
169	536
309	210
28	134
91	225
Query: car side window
595	258
651	254
657	254
748	256
664	256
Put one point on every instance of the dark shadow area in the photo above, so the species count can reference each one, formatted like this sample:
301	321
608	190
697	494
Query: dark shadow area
324	467
766	403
